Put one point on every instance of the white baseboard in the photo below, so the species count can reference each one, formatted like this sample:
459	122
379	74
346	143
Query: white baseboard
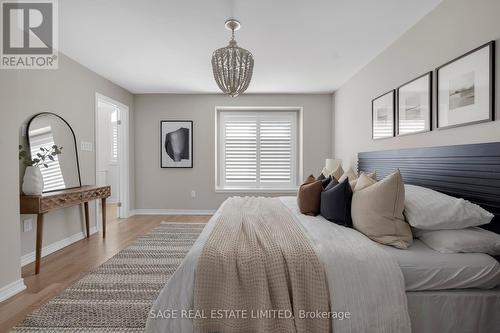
11	289
173	212
51	248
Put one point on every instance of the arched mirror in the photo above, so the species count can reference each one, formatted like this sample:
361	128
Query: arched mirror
44	131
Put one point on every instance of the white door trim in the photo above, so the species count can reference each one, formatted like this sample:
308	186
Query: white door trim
123	154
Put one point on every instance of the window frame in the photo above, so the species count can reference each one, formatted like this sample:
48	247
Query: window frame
297	146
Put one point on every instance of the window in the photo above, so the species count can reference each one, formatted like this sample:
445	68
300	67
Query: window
114	136
257	149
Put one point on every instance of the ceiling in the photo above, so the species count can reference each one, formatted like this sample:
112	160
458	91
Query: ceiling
165	46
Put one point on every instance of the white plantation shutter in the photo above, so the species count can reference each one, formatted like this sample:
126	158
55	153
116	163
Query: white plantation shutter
240	150
114	142
114	136
257	149
276	151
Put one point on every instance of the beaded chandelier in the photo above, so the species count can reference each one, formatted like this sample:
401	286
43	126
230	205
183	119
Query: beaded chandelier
232	65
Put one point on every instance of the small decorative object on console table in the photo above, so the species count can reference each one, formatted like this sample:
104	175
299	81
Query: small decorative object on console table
50	201
33	179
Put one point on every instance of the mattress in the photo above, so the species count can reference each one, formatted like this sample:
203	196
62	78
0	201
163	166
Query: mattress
426	269
466	310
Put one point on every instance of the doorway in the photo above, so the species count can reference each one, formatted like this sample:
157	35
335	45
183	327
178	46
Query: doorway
111	150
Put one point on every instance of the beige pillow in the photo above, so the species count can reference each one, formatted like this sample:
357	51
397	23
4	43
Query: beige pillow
348	174
363	182
377	211
337	173
372	175
326	172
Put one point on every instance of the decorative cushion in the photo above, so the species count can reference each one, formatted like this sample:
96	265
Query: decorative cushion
473	239
333	183
363	181
372	175
377	212
431	210
325	172
336	203
337	173
321	177
348	174
325	181
309	179
309	196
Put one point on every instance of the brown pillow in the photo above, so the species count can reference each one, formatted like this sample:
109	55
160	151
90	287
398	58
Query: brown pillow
377	211
309	179
309	196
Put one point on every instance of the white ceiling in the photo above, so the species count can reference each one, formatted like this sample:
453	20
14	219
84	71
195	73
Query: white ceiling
154	46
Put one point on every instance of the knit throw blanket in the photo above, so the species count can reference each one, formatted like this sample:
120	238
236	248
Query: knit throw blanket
258	273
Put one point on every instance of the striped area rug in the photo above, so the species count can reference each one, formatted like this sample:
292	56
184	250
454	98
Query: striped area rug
117	296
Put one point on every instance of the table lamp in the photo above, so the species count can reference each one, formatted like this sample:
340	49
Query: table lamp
332	163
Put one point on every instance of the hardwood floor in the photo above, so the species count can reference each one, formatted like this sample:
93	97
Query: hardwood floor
60	269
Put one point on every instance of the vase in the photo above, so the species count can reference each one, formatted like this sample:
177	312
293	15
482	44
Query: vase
32	181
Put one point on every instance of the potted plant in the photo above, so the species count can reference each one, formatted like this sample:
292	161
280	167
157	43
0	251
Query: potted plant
33	180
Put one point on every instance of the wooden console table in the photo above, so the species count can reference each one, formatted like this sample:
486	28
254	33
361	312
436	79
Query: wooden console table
41	204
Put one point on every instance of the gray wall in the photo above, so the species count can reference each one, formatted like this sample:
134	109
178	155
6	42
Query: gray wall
453	28
158	188
10	247
69	92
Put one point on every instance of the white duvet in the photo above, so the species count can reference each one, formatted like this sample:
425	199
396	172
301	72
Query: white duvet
364	281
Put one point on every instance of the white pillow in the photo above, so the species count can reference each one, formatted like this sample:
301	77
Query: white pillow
430	210
464	240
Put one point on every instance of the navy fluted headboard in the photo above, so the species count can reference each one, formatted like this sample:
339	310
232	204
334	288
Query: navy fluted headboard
469	171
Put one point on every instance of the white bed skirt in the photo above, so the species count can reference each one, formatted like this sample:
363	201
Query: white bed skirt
454	311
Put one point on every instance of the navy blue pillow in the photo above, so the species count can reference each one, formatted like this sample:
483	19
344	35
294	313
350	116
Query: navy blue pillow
324	180
336	203
333	182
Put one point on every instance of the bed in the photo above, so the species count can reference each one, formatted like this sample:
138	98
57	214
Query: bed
440	292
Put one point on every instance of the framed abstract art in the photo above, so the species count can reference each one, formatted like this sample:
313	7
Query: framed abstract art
176	143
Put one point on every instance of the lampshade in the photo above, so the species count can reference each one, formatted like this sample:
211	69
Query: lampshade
332	163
